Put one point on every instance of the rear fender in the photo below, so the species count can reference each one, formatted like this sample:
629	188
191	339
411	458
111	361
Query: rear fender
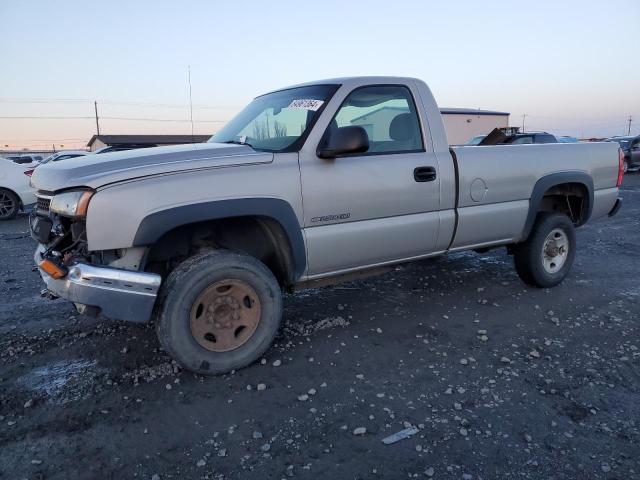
549	181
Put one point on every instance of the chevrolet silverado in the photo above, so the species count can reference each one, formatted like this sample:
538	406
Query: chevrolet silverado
309	184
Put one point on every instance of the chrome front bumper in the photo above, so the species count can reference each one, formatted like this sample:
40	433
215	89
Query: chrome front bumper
118	294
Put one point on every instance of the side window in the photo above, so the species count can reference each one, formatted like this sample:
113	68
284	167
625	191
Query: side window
545	139
387	114
522	140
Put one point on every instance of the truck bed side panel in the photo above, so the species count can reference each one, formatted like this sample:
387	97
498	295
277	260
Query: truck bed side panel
496	183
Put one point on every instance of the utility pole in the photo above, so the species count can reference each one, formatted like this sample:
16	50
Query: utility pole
524	116
190	104
629	127
95	104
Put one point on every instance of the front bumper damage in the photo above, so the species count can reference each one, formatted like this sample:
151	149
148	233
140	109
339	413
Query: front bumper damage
115	293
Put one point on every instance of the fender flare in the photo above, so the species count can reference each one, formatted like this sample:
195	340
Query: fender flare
548	181
155	225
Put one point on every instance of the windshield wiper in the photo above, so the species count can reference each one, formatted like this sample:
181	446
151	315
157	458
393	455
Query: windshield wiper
238	142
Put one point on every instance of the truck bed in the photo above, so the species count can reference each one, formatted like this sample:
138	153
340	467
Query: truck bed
495	184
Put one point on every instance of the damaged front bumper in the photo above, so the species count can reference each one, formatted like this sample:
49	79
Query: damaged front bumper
114	293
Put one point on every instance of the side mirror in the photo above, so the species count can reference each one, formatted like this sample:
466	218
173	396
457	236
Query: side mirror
343	141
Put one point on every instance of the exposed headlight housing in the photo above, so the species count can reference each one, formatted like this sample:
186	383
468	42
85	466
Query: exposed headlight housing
72	204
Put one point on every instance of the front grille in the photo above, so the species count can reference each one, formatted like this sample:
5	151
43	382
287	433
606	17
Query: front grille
42	204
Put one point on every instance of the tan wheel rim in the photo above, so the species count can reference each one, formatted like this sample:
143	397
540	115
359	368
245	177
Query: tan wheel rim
225	315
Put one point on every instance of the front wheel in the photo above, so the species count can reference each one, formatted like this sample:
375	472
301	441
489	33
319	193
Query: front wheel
218	311
545	259
9	204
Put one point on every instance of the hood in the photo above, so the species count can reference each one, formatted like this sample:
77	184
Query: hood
96	170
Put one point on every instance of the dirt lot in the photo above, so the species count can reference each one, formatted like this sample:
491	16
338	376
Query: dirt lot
501	380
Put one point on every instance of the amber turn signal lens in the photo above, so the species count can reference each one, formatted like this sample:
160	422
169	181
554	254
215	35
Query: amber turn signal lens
52	269
83	204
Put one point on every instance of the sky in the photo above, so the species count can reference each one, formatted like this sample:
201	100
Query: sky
571	66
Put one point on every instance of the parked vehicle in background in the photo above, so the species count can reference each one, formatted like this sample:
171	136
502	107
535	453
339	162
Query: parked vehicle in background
294	192
64	155
499	137
24	159
123	147
567	139
532	137
630	146
15	192
476	140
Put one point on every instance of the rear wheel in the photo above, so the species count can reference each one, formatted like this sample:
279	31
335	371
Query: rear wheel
545	259
219	311
9	204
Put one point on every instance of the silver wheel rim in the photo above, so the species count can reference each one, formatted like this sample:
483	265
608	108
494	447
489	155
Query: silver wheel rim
555	250
7	205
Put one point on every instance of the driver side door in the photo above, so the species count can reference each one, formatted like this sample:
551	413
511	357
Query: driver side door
375	207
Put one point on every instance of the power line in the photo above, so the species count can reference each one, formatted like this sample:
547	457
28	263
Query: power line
135	119
45	100
186	120
42	117
47	140
117	103
596	119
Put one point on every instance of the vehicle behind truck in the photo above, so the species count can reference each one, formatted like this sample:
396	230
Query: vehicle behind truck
308	185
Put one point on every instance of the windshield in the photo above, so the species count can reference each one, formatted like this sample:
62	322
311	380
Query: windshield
476	140
278	121
49	158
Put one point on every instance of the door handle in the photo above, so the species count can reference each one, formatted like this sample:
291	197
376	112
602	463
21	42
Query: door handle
424	174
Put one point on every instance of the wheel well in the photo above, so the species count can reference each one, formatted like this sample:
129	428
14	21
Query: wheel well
571	199
261	237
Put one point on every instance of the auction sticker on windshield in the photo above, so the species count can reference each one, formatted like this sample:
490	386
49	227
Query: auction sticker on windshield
306	104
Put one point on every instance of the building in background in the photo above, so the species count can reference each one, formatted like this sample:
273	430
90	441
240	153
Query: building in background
140	141
462	124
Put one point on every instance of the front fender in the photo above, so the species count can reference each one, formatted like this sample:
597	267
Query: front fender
159	223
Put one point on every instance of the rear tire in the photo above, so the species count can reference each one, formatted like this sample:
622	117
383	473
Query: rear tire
218	311
9	204
545	259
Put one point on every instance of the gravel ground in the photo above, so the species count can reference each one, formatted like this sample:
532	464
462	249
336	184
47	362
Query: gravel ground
499	380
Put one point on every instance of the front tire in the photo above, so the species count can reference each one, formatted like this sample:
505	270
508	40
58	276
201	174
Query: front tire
545	259
218	311
9	204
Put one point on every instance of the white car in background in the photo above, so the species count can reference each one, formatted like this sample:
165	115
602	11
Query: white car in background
15	191
64	155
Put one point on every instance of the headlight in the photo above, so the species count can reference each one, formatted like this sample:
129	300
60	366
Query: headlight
71	204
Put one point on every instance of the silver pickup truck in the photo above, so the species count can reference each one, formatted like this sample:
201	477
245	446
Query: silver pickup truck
309	184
